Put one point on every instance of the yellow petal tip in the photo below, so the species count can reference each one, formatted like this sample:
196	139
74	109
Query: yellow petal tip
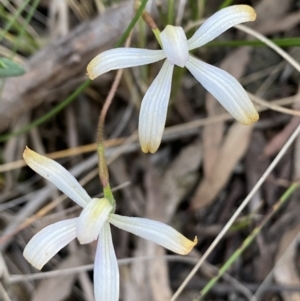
250	119
189	245
249	10
28	153
148	149
89	70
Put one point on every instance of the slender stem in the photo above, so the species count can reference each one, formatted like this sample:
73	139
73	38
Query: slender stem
102	165
246	243
151	23
103	171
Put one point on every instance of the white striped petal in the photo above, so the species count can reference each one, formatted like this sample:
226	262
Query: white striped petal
226	89
220	22
174	44
119	58
92	219
106	270
157	232
57	175
154	108
50	240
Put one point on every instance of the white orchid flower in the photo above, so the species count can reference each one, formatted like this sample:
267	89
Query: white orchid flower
93	223
225	88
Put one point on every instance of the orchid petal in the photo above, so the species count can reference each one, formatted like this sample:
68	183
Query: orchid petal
220	22
50	240
120	58
155	231
154	108
226	89
174	44
57	175
92	219
106	270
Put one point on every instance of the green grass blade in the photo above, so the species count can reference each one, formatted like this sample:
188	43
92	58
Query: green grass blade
247	242
225	3
79	90
132	23
170	11
11	22
27	21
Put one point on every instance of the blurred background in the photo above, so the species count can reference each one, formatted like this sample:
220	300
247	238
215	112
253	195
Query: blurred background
204	168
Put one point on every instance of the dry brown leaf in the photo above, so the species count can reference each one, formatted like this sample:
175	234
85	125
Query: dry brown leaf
47	289
285	271
235	64
266	11
151	279
283	24
233	149
277	19
255	166
180	177
276	144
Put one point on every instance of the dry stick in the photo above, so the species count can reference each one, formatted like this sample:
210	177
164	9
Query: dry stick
65	153
175	129
272	45
46	208
296	65
272	106
238	211
168	131
124	261
246	243
12	279
43	211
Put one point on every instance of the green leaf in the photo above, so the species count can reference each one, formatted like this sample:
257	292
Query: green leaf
9	68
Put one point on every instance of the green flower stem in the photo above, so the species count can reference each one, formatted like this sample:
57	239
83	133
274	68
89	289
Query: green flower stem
103	170
108	195
247	242
151	23
156	32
